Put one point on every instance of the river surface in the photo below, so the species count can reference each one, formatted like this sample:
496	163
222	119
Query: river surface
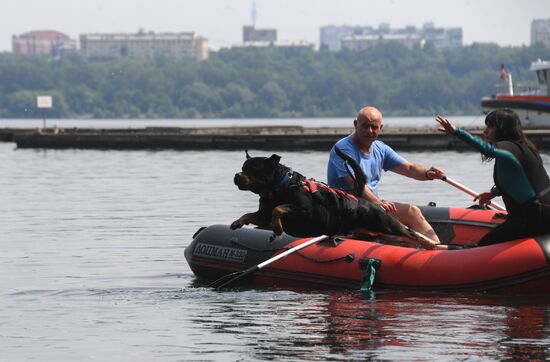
92	268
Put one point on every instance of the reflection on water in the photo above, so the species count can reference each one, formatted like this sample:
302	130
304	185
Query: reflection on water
404	326
92	244
392	326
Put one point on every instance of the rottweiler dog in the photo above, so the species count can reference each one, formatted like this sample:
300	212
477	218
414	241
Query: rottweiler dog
304	208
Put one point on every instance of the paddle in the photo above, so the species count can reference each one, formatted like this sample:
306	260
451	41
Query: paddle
424	238
236	276
471	193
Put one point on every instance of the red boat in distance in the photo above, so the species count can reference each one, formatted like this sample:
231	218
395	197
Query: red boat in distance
530	102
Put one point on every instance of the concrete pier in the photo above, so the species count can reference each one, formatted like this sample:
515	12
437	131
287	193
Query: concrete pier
234	138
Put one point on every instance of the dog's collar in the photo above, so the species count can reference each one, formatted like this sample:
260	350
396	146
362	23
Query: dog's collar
284	180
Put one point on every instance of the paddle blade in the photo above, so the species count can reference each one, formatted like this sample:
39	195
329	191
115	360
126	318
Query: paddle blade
236	278
216	283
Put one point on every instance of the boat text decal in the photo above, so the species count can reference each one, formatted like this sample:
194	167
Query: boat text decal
220	252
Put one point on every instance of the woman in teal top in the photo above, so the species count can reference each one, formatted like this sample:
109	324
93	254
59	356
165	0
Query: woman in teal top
519	176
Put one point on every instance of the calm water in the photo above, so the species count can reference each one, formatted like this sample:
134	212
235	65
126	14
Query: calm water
92	268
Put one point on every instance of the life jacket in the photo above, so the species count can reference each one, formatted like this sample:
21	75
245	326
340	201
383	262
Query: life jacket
312	186
534	170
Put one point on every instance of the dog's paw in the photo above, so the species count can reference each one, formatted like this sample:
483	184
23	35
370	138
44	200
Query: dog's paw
236	225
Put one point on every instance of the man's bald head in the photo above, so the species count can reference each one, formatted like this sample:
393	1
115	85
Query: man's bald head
369	114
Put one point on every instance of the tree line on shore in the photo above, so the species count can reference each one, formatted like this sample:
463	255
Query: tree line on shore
264	82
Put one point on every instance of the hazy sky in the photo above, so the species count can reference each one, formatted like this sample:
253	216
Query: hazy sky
506	22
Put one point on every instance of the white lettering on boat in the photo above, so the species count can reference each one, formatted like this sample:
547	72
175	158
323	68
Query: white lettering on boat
220	252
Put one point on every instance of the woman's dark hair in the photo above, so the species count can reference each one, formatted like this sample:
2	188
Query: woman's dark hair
508	127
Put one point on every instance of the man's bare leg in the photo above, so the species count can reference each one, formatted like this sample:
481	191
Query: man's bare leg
411	216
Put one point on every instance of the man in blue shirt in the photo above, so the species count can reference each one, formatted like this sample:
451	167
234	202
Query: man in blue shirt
374	156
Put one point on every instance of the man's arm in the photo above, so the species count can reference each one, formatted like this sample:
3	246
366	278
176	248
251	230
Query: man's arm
418	171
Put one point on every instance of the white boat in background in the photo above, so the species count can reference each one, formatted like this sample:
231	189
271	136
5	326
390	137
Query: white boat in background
531	103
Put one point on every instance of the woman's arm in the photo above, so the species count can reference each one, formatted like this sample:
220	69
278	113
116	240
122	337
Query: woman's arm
476	142
510	175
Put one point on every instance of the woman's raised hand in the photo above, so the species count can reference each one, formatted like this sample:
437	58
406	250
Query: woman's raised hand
446	126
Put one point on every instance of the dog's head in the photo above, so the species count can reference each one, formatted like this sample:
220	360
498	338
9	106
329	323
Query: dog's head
258	174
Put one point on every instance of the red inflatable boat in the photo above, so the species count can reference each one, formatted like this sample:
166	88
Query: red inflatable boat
518	266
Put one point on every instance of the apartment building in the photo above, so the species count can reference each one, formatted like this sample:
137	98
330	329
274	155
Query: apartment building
540	32
42	43
144	45
360	37
253	35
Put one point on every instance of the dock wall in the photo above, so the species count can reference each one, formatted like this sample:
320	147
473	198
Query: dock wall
234	138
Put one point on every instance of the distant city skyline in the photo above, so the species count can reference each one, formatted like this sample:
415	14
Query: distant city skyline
505	22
